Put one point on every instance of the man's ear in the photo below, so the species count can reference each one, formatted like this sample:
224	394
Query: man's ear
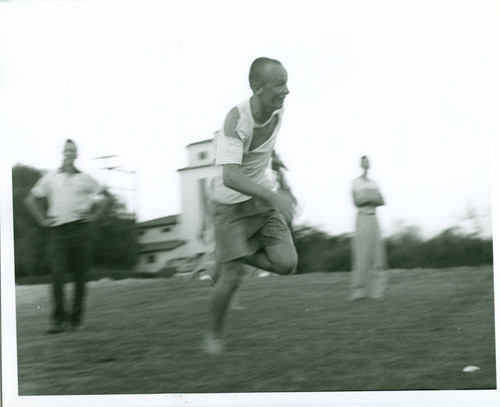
256	88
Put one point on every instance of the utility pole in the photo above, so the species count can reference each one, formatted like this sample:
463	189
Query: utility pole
118	168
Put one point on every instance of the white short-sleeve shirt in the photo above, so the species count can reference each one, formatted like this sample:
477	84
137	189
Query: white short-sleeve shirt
254	163
70	196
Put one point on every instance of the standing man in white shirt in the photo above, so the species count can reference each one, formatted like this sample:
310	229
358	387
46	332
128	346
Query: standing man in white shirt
74	201
250	214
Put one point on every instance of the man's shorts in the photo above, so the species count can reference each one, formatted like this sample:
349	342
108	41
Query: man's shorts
244	228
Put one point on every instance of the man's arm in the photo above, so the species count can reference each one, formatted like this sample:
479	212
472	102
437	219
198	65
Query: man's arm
276	163
367	198
234	178
100	206
35	208
377	199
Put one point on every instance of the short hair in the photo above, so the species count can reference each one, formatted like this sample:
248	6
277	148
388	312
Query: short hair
257	68
70	141
365	157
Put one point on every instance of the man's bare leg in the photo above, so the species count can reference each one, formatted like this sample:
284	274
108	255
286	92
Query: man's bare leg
236	303
280	259
231	273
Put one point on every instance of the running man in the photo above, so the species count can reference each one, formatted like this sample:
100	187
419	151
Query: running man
250	214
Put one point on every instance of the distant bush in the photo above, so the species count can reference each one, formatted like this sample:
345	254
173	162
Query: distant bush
452	248
29	238
318	251
145	274
95	274
98	273
167	272
34	279
406	249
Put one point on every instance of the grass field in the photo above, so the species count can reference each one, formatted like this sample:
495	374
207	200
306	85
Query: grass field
298	333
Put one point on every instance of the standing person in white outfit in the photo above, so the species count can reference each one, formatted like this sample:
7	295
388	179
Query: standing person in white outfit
368	277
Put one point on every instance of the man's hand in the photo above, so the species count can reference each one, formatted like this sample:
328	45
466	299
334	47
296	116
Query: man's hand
92	217
47	222
286	204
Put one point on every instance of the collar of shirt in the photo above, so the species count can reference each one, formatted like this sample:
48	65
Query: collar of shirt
74	170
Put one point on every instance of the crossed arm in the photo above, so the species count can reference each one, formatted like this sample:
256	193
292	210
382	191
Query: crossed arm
371	197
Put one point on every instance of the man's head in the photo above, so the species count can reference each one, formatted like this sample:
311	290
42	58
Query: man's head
365	163
69	153
268	80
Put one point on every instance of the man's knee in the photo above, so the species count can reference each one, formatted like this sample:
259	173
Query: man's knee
288	264
283	258
231	274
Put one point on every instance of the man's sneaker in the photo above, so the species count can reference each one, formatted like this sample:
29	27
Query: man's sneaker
213	345
57	328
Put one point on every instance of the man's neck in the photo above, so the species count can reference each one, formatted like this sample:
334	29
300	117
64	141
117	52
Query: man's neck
260	115
69	169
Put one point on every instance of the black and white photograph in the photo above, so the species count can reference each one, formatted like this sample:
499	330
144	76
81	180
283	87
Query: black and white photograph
249	202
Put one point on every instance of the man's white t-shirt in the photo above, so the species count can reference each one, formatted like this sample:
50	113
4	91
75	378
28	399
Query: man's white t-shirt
254	163
70	196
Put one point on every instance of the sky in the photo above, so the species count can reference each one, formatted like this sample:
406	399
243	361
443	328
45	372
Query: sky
411	84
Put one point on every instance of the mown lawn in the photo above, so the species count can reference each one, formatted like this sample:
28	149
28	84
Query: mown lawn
297	333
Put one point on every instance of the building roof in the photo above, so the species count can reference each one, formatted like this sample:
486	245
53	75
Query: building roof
197	166
164	221
160	246
200	142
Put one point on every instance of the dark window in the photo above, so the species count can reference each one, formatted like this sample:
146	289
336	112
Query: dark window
202	155
167	229
150	258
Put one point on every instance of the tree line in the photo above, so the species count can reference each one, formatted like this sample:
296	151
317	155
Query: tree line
115	241
407	249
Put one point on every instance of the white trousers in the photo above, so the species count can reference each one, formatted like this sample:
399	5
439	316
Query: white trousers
369	275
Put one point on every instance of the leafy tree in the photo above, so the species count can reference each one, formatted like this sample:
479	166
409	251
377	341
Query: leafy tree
453	248
404	249
319	251
114	237
29	239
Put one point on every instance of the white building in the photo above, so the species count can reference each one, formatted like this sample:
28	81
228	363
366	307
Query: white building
181	236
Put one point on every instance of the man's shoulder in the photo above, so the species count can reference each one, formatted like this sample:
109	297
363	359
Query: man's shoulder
85	177
231	122
233	114
50	175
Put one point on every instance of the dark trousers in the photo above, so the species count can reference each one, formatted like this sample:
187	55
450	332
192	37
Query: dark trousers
71	252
